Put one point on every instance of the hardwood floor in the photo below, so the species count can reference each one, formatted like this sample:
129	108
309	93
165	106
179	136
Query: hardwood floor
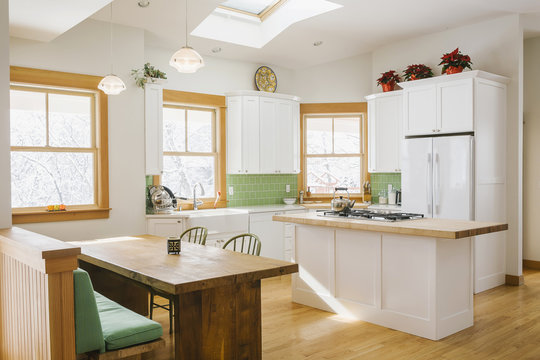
507	326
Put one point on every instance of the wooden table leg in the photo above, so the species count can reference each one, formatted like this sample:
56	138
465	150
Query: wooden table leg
219	323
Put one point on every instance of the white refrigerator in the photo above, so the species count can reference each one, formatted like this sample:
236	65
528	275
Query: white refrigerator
437	177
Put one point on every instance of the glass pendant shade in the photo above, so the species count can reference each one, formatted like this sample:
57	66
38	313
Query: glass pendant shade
186	60
111	85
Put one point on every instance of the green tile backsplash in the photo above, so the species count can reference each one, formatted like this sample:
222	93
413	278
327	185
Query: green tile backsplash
380	181
260	189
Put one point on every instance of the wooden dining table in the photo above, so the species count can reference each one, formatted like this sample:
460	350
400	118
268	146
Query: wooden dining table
217	293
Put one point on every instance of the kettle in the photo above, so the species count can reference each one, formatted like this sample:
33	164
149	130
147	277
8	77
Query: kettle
342	204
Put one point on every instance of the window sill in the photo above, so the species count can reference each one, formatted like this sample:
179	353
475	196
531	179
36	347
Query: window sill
38	216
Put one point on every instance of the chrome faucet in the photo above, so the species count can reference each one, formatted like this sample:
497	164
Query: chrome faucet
195	202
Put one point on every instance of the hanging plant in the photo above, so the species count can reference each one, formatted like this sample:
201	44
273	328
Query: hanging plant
146	74
455	62
418	71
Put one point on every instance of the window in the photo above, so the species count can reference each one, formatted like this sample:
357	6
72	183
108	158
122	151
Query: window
189	149
333	153
58	138
259	8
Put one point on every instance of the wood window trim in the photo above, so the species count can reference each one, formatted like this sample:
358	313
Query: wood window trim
60	80
332	109
217	102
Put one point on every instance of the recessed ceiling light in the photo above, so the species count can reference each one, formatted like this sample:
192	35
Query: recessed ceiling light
144	3
317	43
216	49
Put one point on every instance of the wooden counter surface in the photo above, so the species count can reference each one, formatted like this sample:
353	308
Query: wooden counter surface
437	228
144	259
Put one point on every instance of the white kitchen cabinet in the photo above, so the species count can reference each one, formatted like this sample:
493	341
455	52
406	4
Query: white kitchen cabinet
153	117
277	238
243	135
439	105
385	134
164	227
263	133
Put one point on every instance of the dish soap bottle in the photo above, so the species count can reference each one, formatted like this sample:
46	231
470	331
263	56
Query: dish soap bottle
308	193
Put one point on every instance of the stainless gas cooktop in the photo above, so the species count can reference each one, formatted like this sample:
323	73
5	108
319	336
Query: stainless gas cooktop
379	215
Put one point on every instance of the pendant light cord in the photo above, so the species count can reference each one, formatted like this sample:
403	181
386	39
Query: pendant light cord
111	33
186	25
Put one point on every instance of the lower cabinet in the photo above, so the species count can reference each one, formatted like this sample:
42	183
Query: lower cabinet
164	227
277	238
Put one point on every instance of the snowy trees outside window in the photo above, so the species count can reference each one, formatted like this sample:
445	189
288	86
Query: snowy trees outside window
189	149
53	147
334	156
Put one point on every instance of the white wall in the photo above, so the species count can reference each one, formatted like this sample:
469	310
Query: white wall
346	80
5	177
494	46
531	149
85	49
218	76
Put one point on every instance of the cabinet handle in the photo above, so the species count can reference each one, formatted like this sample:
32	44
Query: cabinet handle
434	130
179	221
246	171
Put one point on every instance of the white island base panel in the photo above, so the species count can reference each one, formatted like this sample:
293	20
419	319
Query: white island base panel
415	284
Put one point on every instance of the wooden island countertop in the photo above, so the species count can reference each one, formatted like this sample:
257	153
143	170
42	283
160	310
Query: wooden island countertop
436	228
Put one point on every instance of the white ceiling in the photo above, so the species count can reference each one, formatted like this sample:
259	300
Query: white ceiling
358	27
44	20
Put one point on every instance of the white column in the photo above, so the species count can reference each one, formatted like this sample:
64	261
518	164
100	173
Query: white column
5	173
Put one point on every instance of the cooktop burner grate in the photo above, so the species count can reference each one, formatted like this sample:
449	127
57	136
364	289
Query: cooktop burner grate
378	215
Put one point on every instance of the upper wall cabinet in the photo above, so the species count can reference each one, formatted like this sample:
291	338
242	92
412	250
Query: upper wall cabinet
263	133
442	104
153	118
385	132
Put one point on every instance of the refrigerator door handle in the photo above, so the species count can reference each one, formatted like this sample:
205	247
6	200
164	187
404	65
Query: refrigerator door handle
437	185
429	188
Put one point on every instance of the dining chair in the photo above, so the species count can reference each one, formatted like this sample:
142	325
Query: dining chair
244	243
195	235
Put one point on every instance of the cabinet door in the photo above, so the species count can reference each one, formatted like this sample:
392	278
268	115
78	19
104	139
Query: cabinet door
164	227
234	135
296	136
420	110
284	144
455	106
268	131
250	134
389	112
270	232
153	118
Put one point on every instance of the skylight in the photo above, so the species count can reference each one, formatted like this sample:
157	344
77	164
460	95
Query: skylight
254	23
251	7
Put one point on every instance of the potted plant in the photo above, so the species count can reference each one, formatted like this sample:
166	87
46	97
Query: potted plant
388	80
147	74
455	62
418	71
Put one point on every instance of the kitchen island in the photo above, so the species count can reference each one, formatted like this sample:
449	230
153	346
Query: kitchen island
414	276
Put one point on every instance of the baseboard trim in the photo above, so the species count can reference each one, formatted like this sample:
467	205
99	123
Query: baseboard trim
514	280
531	264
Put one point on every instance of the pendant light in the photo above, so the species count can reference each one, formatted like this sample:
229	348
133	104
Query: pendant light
111	84
186	60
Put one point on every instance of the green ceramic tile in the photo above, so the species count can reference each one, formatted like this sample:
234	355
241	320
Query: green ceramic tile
380	182
261	189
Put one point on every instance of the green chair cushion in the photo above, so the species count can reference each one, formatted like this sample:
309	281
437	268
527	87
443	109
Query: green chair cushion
88	333
123	327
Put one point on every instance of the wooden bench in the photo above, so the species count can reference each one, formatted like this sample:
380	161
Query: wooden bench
106	330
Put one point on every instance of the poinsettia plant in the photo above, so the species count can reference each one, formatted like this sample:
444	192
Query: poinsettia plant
388	77
455	59
417	71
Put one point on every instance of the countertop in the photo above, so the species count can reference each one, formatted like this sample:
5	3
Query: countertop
327	205
437	228
227	211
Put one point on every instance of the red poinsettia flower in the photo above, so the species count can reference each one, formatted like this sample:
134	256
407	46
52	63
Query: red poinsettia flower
388	77
417	71
455	59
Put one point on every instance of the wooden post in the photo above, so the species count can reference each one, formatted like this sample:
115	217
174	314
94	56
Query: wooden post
37	319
